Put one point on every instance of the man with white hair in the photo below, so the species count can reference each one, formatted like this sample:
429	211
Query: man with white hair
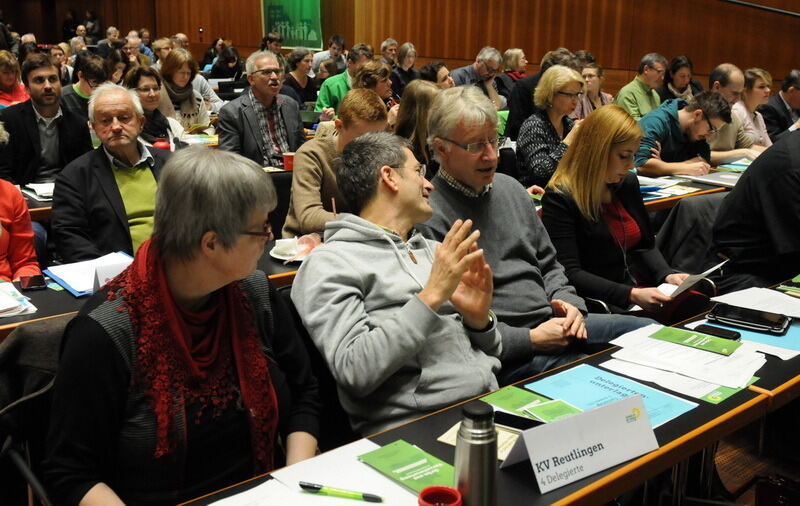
104	200
261	124
132	49
142	47
541	319
481	73
28	37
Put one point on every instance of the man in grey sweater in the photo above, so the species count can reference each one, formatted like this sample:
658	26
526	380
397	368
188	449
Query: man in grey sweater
541	318
403	322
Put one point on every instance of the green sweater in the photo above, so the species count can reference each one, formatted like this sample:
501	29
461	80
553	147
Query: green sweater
332	92
637	98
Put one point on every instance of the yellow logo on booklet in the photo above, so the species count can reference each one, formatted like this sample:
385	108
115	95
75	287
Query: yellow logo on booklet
636	413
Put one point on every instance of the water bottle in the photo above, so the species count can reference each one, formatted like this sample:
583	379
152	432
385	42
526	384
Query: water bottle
476	455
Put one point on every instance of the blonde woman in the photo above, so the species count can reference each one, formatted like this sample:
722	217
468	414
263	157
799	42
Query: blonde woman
594	214
757	84
545	135
412	120
515	64
11	89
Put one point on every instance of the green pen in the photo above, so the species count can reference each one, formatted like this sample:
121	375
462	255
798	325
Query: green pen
337	492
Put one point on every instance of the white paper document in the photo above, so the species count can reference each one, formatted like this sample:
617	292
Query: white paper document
340	468
733	371
660	182
80	275
13	303
763	299
673	381
269	492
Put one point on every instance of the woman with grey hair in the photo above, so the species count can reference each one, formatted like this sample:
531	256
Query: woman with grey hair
181	375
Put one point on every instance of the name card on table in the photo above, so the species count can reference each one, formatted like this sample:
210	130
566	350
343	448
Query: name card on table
573	448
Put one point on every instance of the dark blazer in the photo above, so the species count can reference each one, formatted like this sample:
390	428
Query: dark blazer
89	218
20	158
776	117
520	103
239	131
592	258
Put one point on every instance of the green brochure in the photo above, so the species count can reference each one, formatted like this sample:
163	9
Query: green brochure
551	411
696	340
409	466
514	399
721	393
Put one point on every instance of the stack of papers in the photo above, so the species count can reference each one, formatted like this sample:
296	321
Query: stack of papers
733	371
661	182
13	303
79	277
739	165
39	191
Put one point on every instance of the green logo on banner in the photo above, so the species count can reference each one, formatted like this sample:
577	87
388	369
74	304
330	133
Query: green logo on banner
298	21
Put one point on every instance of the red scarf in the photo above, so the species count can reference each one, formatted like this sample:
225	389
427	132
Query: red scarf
516	76
193	358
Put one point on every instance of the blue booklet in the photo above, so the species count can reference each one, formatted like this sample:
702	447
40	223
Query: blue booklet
587	387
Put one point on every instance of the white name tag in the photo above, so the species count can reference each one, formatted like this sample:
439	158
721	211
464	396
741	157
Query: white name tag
573	448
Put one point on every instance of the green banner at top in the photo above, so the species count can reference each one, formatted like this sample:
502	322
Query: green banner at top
298	22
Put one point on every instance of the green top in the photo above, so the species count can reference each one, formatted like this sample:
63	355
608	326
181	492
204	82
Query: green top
78	92
637	98
137	186
332	92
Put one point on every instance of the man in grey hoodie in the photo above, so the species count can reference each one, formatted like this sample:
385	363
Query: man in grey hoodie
403	322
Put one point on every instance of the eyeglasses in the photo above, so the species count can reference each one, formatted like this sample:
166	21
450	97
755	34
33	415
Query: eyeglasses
147	91
421	169
266	232
129	49
475	148
571	96
711	129
490	69
268	72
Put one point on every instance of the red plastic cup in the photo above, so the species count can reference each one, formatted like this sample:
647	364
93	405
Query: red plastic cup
439	495
288	161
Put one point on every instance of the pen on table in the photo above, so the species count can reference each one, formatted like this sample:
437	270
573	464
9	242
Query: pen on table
337	492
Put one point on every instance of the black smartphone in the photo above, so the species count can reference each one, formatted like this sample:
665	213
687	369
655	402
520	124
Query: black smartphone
718	332
751	319
36	282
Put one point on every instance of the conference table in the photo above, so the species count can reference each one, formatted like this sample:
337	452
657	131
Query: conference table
678	439
661	204
38	210
51	303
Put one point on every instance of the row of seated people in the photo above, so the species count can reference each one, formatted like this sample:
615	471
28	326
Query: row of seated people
438	297
314	193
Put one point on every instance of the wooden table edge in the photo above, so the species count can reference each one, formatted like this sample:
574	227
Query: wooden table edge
666	203
610	486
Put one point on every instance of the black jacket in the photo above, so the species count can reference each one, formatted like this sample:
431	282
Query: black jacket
776	117
89	218
665	94
592	258
20	158
520	103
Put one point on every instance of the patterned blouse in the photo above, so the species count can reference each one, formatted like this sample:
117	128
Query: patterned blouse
539	148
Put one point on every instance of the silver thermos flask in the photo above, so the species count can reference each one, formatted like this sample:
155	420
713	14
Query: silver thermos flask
476	455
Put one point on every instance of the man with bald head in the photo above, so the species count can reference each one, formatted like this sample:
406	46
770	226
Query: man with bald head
261	124
730	142
182	40
104	200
